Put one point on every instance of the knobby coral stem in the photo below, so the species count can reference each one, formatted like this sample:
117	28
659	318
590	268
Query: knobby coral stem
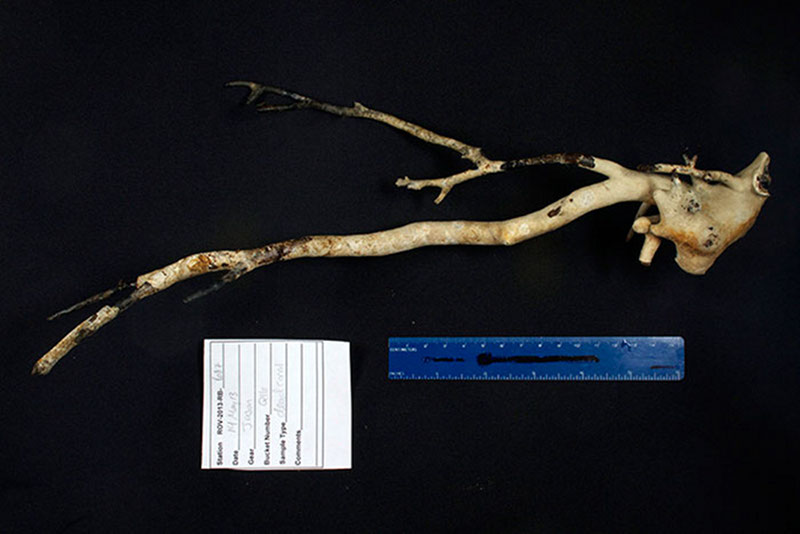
382	243
621	185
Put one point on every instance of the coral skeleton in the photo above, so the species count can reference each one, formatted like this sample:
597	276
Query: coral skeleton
701	212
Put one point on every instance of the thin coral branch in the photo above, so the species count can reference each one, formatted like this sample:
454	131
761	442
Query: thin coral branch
258	91
99	297
688	168
483	165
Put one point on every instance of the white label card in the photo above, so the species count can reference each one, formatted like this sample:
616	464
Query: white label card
276	404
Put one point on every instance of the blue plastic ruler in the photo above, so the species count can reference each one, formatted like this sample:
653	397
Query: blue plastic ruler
536	358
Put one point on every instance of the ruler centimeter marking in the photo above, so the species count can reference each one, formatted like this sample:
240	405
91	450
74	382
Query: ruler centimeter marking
537	358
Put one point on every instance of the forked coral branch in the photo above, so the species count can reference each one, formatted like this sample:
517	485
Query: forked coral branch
702	212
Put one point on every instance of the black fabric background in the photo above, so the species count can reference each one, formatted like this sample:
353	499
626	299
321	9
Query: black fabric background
121	151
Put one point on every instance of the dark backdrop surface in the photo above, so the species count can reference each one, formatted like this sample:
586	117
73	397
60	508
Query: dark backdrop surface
121	151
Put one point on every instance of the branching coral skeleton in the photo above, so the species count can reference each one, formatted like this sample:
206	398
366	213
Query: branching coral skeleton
702	212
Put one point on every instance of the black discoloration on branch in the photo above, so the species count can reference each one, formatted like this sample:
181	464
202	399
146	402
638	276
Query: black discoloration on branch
229	277
582	160
94	298
513	164
138	294
275	252
83	333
